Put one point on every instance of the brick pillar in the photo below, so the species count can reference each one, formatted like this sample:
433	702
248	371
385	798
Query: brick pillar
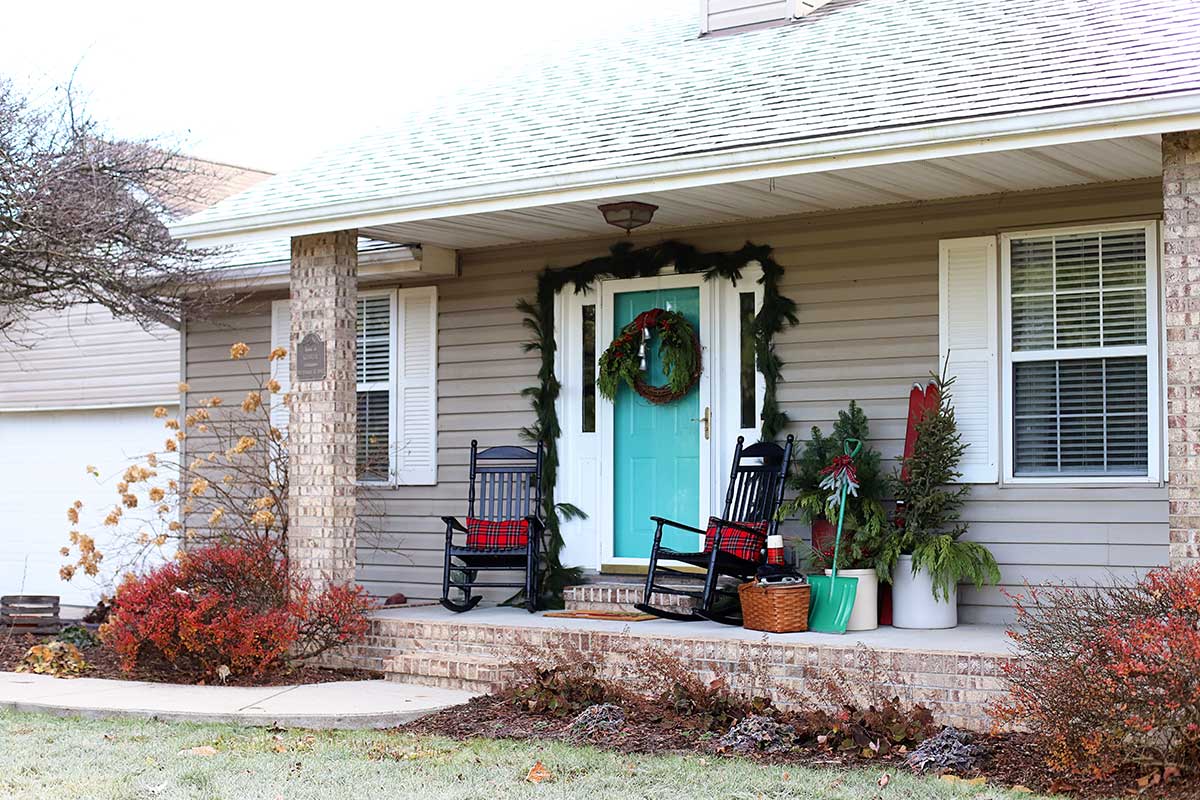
1181	280
321	447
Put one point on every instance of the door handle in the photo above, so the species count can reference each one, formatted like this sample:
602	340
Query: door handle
707	420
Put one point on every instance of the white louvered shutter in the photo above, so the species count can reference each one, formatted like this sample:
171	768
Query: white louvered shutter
416	387
281	336
968	336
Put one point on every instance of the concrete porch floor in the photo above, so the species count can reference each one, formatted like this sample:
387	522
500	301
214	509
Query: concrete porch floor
966	639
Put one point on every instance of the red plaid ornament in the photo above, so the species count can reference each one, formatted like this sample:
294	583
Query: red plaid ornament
497	534
736	541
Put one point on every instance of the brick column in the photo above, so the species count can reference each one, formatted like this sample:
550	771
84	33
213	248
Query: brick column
321	446
1181	281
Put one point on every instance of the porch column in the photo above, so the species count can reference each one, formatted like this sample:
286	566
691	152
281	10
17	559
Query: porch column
1181	281
321	447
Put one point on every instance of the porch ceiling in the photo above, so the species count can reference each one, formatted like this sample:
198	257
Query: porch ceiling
957	176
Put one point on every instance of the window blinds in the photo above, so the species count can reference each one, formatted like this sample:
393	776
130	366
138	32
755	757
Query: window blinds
1080	377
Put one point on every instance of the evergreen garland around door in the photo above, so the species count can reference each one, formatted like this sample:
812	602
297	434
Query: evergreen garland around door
623	262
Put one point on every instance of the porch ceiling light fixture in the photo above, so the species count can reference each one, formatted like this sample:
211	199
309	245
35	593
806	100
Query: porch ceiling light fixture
628	214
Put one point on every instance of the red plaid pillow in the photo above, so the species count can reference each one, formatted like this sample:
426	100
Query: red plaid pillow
497	534
738	542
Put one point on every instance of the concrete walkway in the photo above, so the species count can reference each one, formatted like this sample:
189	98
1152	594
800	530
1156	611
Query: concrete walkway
343	704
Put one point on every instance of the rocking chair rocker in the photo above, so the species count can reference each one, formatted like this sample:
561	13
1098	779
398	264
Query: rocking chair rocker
735	542
504	525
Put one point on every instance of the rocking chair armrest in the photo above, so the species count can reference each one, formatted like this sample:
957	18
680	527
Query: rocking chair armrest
674	524
536	522
452	523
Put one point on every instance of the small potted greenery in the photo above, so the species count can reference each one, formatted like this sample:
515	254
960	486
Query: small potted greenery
925	550
865	523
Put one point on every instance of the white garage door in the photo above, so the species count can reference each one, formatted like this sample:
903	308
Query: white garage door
43	460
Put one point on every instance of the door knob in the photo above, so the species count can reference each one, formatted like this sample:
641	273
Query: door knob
707	420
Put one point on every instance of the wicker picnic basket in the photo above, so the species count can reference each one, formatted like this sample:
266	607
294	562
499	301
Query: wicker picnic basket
778	608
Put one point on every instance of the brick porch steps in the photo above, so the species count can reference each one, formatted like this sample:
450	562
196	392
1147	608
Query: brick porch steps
954	672
619	597
473	673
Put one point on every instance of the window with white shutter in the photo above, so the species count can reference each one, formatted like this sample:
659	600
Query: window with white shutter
396	382
1081	353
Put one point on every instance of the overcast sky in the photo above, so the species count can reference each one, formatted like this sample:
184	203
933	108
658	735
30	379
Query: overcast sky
266	84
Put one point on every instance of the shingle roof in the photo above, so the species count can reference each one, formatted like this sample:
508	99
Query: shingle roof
273	252
657	91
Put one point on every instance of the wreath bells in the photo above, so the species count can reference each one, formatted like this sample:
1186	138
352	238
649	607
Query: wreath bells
625	359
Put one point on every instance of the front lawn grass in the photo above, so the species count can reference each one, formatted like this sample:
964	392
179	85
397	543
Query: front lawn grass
48	757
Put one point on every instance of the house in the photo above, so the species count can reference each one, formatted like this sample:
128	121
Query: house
77	388
1012	186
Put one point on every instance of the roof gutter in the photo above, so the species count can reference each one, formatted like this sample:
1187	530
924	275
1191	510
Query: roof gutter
940	140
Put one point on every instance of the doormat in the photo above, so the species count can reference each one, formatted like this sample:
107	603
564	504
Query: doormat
615	616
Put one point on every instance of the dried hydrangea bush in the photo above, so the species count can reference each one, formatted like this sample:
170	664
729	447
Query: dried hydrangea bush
231	486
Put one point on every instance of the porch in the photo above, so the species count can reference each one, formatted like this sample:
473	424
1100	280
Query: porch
874	317
871	275
955	672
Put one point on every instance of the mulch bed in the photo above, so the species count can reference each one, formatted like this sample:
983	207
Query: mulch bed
493	717
103	663
1015	759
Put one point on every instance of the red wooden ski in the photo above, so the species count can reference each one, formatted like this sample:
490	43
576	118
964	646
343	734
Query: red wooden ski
916	408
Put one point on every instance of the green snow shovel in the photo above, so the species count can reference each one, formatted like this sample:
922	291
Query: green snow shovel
832	598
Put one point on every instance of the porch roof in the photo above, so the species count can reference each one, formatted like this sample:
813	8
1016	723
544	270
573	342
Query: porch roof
856	83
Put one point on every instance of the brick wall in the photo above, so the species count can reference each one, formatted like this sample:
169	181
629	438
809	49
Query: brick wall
956	686
1181	280
321	445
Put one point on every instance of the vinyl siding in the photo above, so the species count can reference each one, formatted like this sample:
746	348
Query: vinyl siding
209	372
867	286
482	368
84	358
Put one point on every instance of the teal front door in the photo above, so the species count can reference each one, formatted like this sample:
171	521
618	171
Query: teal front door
656	449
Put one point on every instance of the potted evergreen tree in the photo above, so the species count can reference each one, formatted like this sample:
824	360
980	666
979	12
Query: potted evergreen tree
925	551
865	523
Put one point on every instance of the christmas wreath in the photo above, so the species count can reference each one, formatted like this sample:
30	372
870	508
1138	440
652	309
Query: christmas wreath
625	359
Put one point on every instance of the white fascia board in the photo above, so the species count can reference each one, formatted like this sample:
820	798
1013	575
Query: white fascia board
1031	129
277	274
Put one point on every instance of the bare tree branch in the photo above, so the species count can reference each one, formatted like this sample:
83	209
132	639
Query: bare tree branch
83	218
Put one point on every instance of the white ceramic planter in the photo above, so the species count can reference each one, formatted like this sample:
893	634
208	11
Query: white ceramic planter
865	614
913	601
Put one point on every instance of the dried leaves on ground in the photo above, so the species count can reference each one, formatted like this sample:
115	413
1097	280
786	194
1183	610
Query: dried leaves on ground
103	663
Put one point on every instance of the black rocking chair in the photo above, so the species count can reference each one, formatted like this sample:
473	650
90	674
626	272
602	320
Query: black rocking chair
756	484
504	525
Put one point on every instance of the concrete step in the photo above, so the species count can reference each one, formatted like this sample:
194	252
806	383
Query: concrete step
473	673
619	597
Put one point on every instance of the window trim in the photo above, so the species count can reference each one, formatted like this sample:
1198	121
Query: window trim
1152	348
389	385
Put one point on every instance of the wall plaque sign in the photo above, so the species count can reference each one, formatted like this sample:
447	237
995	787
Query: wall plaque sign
310	358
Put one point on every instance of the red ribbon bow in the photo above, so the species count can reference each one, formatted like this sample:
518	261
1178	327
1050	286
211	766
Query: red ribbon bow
844	464
648	319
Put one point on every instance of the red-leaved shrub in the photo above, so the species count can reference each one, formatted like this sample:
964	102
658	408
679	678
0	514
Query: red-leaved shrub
1111	677
229	605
